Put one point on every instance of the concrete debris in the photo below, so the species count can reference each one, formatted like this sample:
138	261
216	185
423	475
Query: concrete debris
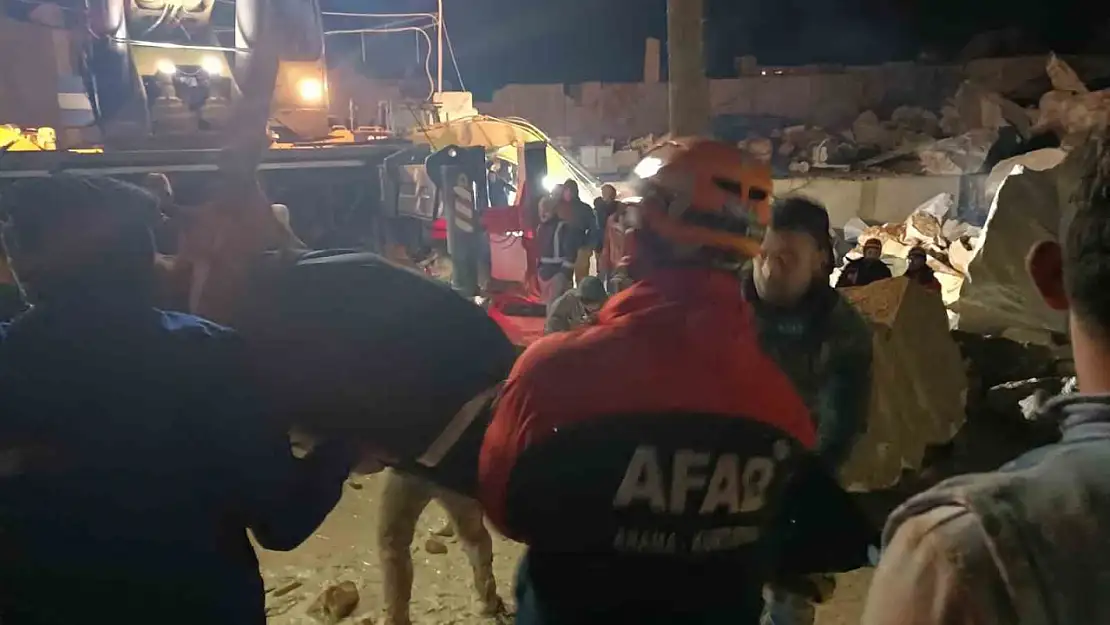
948	243
1072	116
1063	77
957	155
335	603
916	119
435	547
286	588
854	229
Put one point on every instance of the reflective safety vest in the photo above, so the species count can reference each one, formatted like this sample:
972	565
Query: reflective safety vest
551	251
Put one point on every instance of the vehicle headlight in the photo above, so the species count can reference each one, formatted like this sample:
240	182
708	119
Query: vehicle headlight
311	90
212	65
165	66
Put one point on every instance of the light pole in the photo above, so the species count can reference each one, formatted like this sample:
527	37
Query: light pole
439	46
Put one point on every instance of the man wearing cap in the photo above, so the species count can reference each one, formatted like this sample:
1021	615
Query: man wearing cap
919	272
866	269
576	307
135	455
821	343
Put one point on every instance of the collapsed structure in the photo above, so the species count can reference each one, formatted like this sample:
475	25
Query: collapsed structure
1002	349
965	135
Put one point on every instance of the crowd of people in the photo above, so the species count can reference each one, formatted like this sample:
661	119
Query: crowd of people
717	383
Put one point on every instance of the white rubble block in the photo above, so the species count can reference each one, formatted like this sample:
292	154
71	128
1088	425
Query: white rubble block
960	253
954	230
961	154
1030	206
922	228
854	228
950	285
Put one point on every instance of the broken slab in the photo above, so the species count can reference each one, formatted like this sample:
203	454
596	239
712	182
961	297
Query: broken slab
919	385
1026	209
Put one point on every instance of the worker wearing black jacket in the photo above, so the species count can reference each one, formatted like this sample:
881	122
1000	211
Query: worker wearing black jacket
866	269
135	454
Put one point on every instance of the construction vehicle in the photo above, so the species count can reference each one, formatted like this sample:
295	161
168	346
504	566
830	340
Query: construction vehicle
152	74
145	86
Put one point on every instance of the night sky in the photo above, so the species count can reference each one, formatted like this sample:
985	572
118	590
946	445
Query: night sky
567	41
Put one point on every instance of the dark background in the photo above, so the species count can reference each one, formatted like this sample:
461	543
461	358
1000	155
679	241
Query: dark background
566	41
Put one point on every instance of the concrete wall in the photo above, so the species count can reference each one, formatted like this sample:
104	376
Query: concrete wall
884	199
590	112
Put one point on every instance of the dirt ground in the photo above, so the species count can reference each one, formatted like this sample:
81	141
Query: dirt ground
343	550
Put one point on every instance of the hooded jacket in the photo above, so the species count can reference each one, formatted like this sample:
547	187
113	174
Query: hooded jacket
825	347
135	458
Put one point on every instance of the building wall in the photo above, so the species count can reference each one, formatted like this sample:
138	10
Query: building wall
590	112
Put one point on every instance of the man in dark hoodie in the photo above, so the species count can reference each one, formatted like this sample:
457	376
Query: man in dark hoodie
134	455
920	272
819	341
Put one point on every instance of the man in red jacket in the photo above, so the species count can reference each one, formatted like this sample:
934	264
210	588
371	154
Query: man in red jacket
652	490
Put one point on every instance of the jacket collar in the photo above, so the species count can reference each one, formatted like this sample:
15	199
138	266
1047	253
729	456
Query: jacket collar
676	285
1078	414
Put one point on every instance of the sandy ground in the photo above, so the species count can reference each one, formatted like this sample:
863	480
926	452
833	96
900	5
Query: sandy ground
343	550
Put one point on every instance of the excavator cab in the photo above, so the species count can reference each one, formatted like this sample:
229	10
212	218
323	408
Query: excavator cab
159	76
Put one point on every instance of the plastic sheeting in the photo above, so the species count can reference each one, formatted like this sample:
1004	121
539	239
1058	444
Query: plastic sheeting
919	383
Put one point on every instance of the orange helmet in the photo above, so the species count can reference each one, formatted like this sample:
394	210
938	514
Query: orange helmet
705	193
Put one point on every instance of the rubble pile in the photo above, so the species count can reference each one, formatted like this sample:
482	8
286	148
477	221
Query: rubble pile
949	244
955	140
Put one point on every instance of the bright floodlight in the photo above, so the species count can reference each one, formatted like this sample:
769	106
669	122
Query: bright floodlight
311	90
212	65
165	66
550	182
648	167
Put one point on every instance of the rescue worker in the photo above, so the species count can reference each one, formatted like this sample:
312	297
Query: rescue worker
499	188
135	454
866	269
613	250
558	250
604	207
920	272
577	307
646	461
1026	543
403	499
579	215
822	344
